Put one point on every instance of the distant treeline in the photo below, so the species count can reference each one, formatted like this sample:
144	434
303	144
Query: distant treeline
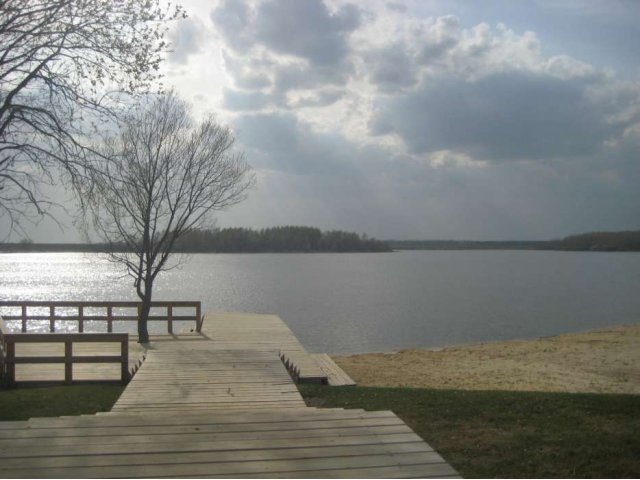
239	240
628	241
310	239
468	245
278	239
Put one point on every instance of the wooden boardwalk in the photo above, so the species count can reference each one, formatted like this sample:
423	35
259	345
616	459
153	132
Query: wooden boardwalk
219	406
175	379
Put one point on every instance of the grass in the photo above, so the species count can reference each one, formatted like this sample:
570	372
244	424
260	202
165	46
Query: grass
26	402
495	434
481	434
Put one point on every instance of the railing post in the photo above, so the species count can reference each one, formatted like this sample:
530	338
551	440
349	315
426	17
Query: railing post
170	318
80	319
198	317
24	319
52	320
110	319
68	362
11	362
124	359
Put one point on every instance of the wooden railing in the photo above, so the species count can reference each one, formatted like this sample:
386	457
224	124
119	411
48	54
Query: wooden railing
109	313
9	360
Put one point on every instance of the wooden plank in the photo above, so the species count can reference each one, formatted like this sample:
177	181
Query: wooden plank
403	471
217	468
70	359
206	444
124	420
256	428
117	438
247	452
13	424
98	304
62	337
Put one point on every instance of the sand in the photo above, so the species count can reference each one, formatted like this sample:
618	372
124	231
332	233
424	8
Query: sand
603	361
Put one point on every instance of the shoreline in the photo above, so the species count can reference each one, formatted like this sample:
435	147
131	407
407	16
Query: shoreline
605	360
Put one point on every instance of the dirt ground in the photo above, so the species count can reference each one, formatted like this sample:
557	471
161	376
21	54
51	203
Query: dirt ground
603	361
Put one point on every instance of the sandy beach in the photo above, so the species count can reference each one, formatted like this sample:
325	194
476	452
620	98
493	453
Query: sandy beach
603	361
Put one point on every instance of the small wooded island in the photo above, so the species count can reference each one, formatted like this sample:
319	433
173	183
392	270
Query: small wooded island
240	240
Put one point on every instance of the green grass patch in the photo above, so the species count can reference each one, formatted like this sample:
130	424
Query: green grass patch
494	434
26	402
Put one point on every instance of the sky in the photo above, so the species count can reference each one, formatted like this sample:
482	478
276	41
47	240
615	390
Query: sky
479	120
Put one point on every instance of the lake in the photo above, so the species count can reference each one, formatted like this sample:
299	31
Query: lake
363	302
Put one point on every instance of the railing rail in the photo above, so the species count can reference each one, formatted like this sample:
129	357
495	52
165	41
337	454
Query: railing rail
109	315
10	359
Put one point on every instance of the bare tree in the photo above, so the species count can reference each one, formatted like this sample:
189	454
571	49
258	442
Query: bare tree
161	176
58	61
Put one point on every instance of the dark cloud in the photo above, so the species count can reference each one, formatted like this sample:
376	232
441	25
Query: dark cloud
299	77
237	100
280	141
232	19
503	116
391	68
306	29
252	81
316	37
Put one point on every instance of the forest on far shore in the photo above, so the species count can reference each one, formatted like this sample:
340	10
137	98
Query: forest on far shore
277	239
235	240
311	239
627	241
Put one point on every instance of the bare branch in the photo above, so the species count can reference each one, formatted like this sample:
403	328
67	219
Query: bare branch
60	63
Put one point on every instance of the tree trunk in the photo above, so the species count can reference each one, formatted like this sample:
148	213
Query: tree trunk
143	316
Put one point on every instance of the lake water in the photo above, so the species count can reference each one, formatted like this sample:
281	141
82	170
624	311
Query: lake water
348	303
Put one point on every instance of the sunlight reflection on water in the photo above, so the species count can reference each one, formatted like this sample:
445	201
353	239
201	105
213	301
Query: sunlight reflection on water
344	303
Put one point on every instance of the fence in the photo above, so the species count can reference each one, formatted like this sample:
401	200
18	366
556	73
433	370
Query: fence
9	359
110	312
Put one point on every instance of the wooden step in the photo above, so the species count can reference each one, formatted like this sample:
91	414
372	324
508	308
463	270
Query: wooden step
314	443
302	367
335	375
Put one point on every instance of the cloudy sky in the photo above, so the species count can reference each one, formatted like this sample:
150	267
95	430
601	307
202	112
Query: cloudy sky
423	119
